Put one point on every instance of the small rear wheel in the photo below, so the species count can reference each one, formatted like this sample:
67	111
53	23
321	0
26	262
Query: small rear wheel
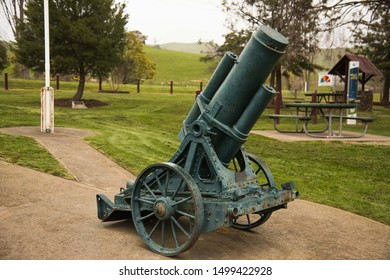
265	180
246	222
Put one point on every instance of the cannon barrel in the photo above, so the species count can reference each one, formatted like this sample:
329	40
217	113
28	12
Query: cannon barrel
219	75
237	97
229	146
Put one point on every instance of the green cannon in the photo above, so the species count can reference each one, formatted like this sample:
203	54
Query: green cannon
211	181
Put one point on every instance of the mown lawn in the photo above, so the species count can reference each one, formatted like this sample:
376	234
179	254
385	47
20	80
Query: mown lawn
136	130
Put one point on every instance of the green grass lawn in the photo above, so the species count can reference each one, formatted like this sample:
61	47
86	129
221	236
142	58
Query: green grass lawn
27	152
184	69
137	130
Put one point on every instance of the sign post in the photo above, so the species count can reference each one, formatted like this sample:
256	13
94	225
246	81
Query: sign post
47	92
352	88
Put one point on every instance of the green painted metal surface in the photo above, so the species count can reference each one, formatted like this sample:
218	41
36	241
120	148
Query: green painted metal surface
211	181
220	73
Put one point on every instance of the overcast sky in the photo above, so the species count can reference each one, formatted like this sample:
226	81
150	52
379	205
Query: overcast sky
184	21
166	21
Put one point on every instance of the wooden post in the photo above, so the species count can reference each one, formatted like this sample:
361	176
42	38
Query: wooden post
138	85
314	99
6	81
278	104
171	87
100	84
57	81
199	91
346	83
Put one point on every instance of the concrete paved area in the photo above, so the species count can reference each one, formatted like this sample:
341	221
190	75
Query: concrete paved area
368	139
46	217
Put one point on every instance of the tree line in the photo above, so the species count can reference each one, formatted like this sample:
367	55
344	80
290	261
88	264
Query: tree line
89	37
86	38
301	21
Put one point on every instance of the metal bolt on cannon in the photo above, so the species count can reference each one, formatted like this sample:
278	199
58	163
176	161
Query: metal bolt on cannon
211	181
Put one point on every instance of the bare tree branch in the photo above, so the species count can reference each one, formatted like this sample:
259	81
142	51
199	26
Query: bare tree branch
13	11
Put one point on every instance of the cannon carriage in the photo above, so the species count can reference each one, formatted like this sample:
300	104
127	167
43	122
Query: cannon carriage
211	181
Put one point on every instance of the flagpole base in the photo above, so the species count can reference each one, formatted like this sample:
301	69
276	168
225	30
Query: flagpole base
47	110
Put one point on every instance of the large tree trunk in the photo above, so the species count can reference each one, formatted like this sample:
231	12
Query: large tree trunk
386	86
278	76
80	88
272	79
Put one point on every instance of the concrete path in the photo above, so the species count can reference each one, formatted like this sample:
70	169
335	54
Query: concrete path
368	139
87	165
46	217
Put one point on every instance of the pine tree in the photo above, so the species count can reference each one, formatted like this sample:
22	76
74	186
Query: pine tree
374	42
86	37
3	56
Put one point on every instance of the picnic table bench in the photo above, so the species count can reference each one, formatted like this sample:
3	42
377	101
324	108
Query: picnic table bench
298	118
363	120
329	112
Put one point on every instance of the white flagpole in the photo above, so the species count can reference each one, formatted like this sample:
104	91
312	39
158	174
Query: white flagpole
47	43
47	93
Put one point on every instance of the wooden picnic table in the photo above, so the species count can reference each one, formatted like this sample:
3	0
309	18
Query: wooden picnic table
326	96
329	111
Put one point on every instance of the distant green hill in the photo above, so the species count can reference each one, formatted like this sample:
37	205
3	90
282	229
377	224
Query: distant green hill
184	47
181	67
184	67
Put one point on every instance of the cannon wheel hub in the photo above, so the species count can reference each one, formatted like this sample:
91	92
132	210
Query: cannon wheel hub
163	209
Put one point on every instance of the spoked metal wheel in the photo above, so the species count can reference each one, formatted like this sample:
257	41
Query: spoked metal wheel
250	221
264	175
265	179
167	209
